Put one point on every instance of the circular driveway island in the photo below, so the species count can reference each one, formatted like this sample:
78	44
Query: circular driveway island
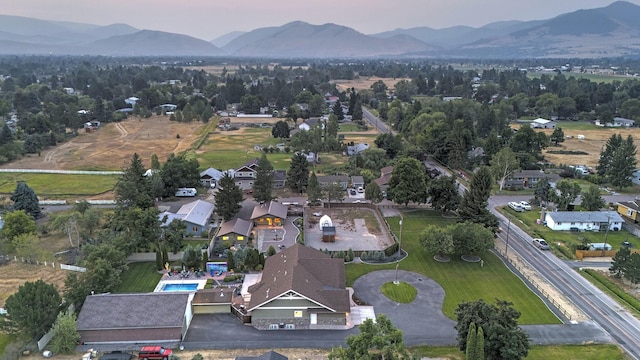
422	321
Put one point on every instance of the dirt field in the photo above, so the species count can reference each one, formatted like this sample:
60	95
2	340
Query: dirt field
363	83
593	143
111	146
16	273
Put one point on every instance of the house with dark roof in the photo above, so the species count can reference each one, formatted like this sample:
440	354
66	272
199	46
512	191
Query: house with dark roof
156	317
269	355
357	181
272	213
196	215
327	180
245	175
210	177
300	288
310	123
279	179
629	209
528	179
583	220
236	231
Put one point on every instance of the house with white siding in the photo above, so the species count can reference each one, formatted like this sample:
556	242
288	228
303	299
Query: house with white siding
584	220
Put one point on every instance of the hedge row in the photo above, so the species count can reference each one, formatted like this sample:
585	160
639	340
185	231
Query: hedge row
614	288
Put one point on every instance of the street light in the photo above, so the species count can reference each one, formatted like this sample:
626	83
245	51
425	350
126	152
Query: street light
399	251
606	234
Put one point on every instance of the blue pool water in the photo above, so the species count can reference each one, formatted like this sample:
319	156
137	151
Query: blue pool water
179	287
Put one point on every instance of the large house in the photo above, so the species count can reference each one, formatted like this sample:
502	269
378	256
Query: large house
327	180
196	215
629	209
157	317
617	122
245	175
584	220
271	214
236	231
356	148
528	179
300	288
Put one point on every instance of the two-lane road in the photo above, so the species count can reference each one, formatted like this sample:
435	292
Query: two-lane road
604	311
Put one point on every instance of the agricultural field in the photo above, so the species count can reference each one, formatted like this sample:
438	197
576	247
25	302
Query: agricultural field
364	83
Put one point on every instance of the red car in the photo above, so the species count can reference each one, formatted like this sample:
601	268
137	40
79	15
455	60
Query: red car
154	352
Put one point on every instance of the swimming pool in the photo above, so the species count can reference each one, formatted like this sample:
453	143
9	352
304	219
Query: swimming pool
179	285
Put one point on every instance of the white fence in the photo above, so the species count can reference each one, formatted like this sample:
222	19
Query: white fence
64	202
72	172
72	268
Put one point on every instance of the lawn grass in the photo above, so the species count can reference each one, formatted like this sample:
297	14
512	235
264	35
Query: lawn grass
462	281
5	339
527	222
139	278
59	185
564	352
401	293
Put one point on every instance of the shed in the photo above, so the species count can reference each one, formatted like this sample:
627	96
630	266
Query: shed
212	301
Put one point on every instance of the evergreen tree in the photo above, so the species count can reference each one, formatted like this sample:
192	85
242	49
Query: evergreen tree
298	174
33	308
133	188
231	265
332	127
314	192
623	164
155	163
542	192
228	198
473	206
620	262
607	154
557	136
337	111
263	184
24	198
480	344
472	342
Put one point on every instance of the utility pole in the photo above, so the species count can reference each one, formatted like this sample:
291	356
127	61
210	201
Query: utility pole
506	249
399	251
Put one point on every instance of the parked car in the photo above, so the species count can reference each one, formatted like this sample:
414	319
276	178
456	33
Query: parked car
352	191
154	353
516	206
525	205
541	244
361	189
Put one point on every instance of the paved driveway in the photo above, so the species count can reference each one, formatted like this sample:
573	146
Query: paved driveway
422	321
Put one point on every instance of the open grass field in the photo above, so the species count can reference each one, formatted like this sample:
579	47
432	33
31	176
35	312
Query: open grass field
593	76
564	352
58	185
462	281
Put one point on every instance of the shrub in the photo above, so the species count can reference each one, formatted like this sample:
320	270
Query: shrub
611	286
197	356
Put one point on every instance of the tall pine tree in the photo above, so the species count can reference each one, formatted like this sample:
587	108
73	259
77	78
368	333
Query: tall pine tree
298	175
228	198
473	206
263	184
133	189
24	198
314	191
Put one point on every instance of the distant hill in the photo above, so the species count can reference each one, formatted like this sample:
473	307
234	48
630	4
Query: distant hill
223	40
609	31
153	43
300	39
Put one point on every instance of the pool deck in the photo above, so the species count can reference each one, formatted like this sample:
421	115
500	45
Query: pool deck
190	278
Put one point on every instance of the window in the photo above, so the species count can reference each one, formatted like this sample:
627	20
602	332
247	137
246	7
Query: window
194	229
289	326
573	223
297	313
273	326
629	212
225	238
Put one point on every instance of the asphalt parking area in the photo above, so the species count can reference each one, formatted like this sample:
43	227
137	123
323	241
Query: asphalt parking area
421	321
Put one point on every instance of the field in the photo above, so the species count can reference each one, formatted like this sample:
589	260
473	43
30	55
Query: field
594	141
363	83
58	186
111	146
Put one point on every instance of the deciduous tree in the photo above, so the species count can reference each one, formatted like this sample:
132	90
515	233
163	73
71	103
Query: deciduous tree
17	223
503	164
408	182
280	130
437	240
557	136
65	334
373	193
592	200
443	193
567	192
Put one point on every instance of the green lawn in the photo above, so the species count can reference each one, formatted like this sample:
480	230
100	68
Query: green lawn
139	278
462	281
5	339
527	221
401	292
59	184
564	352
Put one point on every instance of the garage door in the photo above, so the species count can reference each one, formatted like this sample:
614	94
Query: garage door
212	309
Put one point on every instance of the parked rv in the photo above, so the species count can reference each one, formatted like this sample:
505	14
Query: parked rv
183	192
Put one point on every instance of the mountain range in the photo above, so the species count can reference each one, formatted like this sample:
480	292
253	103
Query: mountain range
609	31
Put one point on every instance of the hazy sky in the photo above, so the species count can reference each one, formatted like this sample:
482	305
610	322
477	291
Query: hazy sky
208	19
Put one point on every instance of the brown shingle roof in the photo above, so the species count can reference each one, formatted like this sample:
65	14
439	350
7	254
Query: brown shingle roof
118	311
386	170
236	226
630	204
273	208
213	296
306	271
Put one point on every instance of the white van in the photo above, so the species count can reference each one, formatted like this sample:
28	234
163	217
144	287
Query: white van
183	192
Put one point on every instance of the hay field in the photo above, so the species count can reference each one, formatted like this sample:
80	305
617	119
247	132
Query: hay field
16	274
363	83
593	143
111	146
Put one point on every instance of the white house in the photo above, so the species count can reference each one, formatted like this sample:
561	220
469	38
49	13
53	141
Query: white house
583	220
131	100
617	122
541	123
356	149
210	177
